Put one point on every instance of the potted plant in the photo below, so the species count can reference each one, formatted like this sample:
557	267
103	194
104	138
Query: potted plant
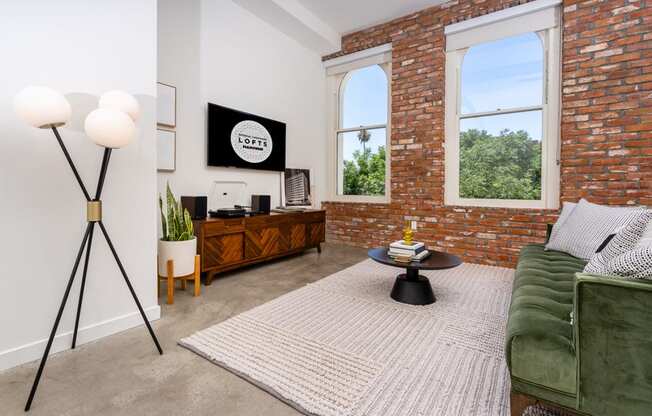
178	242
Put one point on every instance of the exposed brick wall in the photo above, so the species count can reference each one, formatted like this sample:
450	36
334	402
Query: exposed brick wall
606	129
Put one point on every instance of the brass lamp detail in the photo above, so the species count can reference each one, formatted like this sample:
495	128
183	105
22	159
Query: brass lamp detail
94	211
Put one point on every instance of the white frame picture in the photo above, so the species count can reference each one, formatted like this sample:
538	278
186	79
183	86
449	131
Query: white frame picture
166	150
166	105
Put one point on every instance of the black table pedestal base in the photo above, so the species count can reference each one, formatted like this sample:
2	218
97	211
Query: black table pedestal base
413	288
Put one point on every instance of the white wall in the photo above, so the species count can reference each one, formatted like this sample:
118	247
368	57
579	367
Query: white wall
215	51
81	48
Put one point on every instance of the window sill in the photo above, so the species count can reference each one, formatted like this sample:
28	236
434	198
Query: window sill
359	199
501	203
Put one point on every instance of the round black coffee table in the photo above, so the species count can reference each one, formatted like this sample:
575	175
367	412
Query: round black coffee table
411	287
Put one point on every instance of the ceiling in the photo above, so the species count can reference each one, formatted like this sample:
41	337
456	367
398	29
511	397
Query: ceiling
320	24
346	16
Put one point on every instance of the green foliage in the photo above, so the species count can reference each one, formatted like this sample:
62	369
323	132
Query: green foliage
507	166
175	221
365	174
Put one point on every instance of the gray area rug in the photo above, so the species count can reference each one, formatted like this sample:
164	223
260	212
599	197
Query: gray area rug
342	346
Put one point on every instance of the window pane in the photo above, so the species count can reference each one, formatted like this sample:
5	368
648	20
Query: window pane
507	73
500	156
364	98
362	162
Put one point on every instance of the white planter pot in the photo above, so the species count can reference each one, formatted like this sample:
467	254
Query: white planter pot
181	252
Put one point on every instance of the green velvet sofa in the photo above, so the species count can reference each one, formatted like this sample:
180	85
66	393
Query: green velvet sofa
601	363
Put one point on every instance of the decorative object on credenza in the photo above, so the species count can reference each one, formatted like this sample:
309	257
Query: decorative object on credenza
178	242
197	206
166	150
166	105
297	187
110	126
260	204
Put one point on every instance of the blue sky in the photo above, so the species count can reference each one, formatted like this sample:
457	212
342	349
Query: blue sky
503	74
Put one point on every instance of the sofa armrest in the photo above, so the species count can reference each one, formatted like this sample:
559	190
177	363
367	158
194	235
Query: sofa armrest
613	341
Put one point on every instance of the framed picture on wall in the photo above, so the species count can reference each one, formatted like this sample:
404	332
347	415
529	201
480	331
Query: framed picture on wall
166	105
297	188
166	150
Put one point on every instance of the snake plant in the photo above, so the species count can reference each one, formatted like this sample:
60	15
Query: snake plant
176	221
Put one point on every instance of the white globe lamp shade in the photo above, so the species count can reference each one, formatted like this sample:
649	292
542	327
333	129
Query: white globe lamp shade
121	101
42	107
110	128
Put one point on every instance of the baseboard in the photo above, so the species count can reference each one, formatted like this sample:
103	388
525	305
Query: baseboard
34	350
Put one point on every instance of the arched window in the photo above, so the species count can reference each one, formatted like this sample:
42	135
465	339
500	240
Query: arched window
361	134
501	127
359	91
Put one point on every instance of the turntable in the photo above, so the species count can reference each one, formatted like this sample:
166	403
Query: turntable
228	213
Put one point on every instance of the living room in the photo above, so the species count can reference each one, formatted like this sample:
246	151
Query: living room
414	207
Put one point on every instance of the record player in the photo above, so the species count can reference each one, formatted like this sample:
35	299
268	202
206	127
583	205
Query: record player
228	213
238	211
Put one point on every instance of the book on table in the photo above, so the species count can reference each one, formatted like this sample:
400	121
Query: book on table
408	257
415	246
400	248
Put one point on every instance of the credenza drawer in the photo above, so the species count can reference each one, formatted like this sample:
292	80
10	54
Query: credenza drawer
223	227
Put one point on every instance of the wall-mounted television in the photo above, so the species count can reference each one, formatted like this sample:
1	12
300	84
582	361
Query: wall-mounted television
244	140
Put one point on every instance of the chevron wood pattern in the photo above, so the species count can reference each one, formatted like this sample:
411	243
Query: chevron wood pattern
297	236
226	244
263	242
224	249
317	233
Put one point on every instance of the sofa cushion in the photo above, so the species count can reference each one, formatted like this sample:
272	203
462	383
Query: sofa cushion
625	240
539	346
587	226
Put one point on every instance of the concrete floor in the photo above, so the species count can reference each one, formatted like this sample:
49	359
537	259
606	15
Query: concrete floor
123	375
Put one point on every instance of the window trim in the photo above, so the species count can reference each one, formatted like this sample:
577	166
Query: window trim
336	82
551	107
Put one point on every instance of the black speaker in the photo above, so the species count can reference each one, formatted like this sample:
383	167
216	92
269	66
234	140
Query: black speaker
197	206
260	203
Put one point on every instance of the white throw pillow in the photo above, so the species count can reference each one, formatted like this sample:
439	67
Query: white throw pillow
587	226
625	240
566	210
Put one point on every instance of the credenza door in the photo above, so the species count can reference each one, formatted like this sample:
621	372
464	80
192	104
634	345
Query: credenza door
266	236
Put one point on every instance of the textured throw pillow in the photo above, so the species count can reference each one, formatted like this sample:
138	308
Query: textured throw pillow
625	240
633	264
646	240
587	226
566	210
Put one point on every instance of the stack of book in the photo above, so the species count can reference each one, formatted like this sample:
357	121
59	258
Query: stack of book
400	251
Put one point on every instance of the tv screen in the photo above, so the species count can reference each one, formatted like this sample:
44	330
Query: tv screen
244	140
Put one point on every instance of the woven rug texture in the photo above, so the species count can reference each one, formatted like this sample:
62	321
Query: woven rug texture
342	346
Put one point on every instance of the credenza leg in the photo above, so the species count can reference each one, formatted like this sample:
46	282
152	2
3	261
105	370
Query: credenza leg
209	278
318	248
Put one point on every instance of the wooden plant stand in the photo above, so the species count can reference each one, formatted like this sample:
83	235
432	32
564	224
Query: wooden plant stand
171	279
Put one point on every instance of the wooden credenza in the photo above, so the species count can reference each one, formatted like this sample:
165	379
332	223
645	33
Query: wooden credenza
227	244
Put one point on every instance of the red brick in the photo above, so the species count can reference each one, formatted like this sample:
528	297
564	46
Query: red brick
606	129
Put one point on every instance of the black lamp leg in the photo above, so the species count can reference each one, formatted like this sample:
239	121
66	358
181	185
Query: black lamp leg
131	289
71	163
83	283
58	318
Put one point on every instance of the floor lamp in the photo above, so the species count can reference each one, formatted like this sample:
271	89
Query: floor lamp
110	126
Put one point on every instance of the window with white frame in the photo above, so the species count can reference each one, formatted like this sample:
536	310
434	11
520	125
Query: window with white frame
359	129
502	108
